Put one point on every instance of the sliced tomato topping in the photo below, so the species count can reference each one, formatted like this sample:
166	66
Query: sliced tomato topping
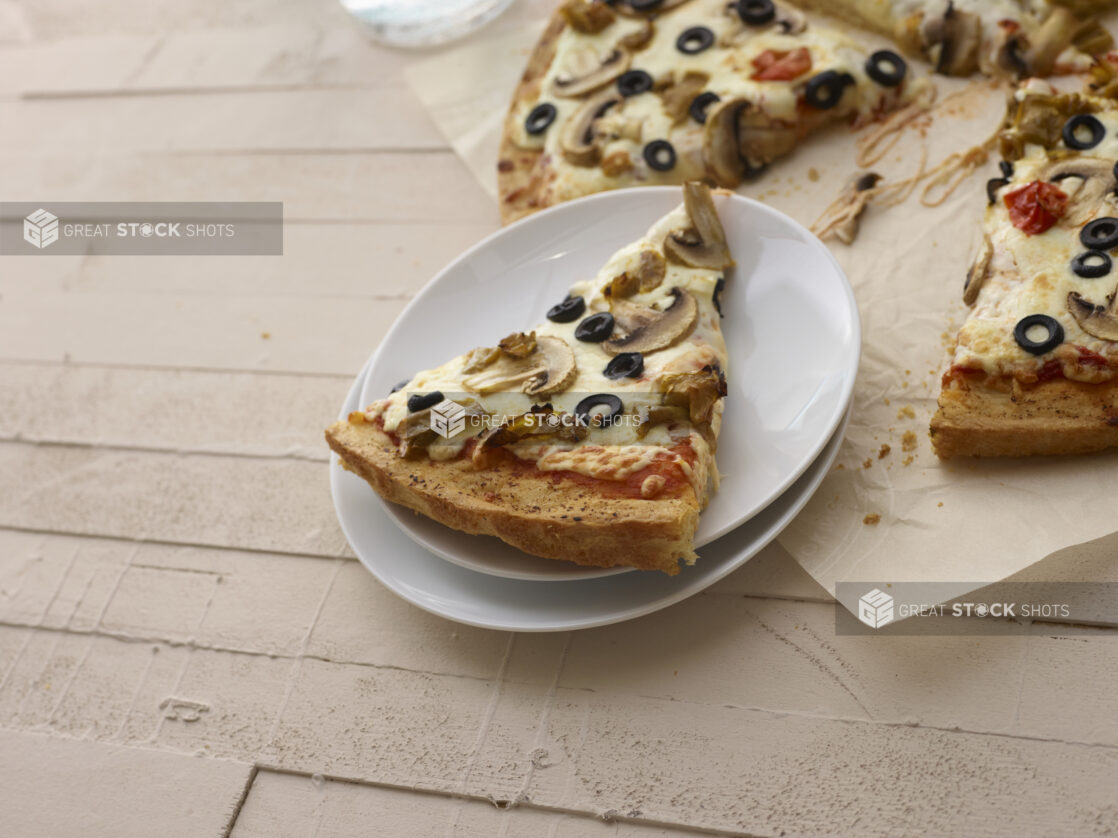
1051	370
781	65
1036	207
1089	358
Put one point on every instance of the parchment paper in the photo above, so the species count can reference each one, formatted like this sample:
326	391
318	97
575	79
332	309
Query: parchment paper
890	511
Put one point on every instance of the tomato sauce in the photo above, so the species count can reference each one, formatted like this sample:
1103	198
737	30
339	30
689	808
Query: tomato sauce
1035	207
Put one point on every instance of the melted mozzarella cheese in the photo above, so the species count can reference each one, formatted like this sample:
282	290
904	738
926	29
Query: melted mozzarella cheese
704	345
1033	275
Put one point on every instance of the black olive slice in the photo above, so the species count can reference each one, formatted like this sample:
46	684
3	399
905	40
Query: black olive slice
595	328
607	400
633	82
625	365
694	40
644	5
701	104
422	401
399	386
660	155
1079	122
1091	264
992	187
540	118
568	310
825	90
1054	339
1006	167
886	68
756	12
1100	234
716	297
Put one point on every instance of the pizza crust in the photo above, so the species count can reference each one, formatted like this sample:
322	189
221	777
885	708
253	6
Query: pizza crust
518	181
533	512
1054	417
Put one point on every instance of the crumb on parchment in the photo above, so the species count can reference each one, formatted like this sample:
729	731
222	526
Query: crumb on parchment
907	461
940	503
872	520
868	462
908	441
906	412
884	452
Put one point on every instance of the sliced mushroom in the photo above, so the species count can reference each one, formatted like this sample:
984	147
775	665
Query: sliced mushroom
580	141
478	359
786	20
703	244
976	276
587	16
648	330
415	431
549	368
789	21
638	39
587	70
542	421
953	41
1009	54
678	96
698	391
739	141
1087	181
1097	320
1049	40
850	205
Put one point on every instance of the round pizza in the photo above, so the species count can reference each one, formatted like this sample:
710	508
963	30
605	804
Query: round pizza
638	92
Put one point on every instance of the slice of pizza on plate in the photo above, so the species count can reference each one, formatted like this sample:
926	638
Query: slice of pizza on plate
588	438
1035	366
1013	38
637	92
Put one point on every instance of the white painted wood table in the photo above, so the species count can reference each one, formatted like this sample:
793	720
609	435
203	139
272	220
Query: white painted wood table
187	647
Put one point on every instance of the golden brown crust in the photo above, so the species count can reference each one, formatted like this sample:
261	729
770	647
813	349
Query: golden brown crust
555	520
518	175
1054	417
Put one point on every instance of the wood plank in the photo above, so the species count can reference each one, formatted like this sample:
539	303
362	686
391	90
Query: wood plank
292	804
230	333
364	261
272	121
427	188
248	503
107	790
770	774
169	410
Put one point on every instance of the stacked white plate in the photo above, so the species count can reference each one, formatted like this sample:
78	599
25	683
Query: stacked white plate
793	335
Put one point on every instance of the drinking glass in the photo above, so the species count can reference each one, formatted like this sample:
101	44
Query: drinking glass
423	23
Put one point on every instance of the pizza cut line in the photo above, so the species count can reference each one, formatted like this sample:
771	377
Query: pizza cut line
590	438
1035	365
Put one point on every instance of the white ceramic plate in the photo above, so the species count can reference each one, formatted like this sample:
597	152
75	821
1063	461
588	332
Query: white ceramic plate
791	327
484	600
